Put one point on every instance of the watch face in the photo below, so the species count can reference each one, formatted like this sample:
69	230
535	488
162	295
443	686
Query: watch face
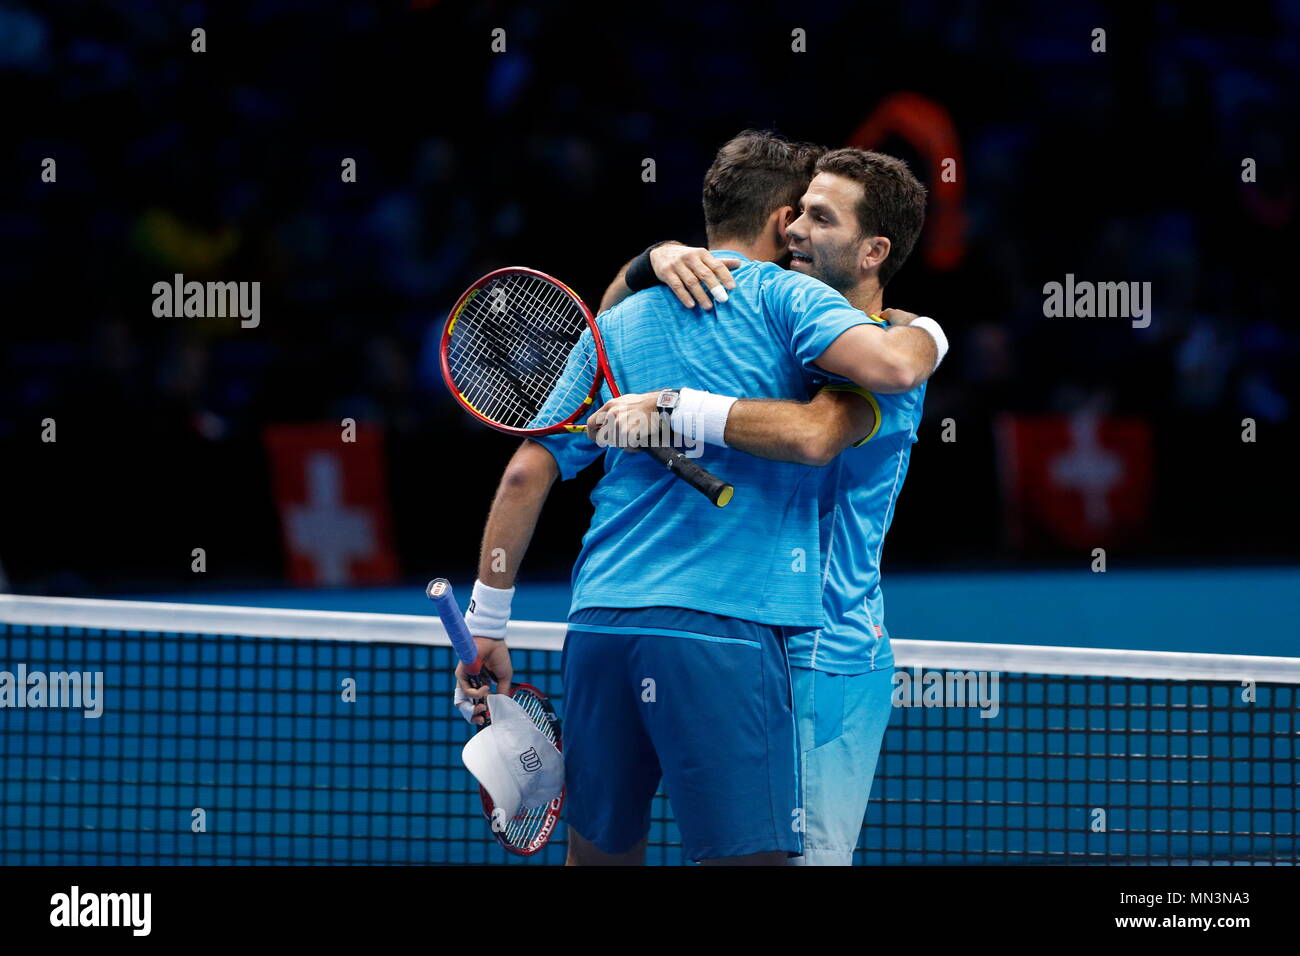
668	400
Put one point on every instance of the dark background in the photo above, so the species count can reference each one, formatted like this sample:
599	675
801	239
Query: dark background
225	165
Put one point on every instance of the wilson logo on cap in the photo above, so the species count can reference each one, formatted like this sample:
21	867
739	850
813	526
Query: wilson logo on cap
531	760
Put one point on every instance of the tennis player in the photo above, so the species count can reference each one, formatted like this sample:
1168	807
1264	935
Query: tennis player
675	662
859	219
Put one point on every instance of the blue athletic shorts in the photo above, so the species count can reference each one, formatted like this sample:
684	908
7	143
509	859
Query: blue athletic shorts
842	720
702	701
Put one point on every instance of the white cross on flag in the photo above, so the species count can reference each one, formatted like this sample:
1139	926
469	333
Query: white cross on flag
332	496
1080	481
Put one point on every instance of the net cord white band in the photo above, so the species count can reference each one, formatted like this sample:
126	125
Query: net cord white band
105	614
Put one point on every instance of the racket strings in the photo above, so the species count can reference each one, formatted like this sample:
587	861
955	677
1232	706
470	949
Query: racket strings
538	712
515	349
516	353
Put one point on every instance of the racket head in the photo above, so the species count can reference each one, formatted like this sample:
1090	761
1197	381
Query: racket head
529	830
522	353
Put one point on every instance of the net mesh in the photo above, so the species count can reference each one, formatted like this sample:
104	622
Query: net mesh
215	746
520	353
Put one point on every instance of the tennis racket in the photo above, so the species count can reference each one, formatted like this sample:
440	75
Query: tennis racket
529	829
522	353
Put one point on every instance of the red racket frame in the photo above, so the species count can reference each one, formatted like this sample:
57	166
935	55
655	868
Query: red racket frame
603	372
718	492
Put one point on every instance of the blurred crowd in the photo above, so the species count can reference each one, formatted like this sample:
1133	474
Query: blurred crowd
225	164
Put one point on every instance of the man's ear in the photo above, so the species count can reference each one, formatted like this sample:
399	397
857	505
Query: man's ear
781	218
874	252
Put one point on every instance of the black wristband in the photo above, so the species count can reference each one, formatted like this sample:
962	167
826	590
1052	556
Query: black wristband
640	274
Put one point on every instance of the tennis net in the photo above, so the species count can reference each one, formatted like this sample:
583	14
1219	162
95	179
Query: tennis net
245	735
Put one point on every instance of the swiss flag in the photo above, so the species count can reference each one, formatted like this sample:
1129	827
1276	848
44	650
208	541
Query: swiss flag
1079	481
332	496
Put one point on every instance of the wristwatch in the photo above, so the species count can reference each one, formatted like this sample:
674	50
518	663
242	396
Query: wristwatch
668	400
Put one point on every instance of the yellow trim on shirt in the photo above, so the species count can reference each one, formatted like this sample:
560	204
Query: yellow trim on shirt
875	406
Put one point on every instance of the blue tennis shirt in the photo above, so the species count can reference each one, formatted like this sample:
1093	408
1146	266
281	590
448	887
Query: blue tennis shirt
654	541
858	495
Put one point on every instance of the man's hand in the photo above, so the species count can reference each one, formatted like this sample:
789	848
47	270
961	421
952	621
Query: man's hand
496	658
898	316
688	270
629	421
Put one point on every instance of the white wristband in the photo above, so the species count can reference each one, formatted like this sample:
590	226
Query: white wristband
928	324
489	611
702	415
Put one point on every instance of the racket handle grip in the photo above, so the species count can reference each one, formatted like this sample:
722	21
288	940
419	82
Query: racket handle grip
439	592
689	471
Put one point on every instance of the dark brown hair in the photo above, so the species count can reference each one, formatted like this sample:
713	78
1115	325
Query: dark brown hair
753	174
893	200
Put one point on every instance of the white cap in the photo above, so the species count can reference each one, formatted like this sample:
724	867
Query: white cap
516	763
